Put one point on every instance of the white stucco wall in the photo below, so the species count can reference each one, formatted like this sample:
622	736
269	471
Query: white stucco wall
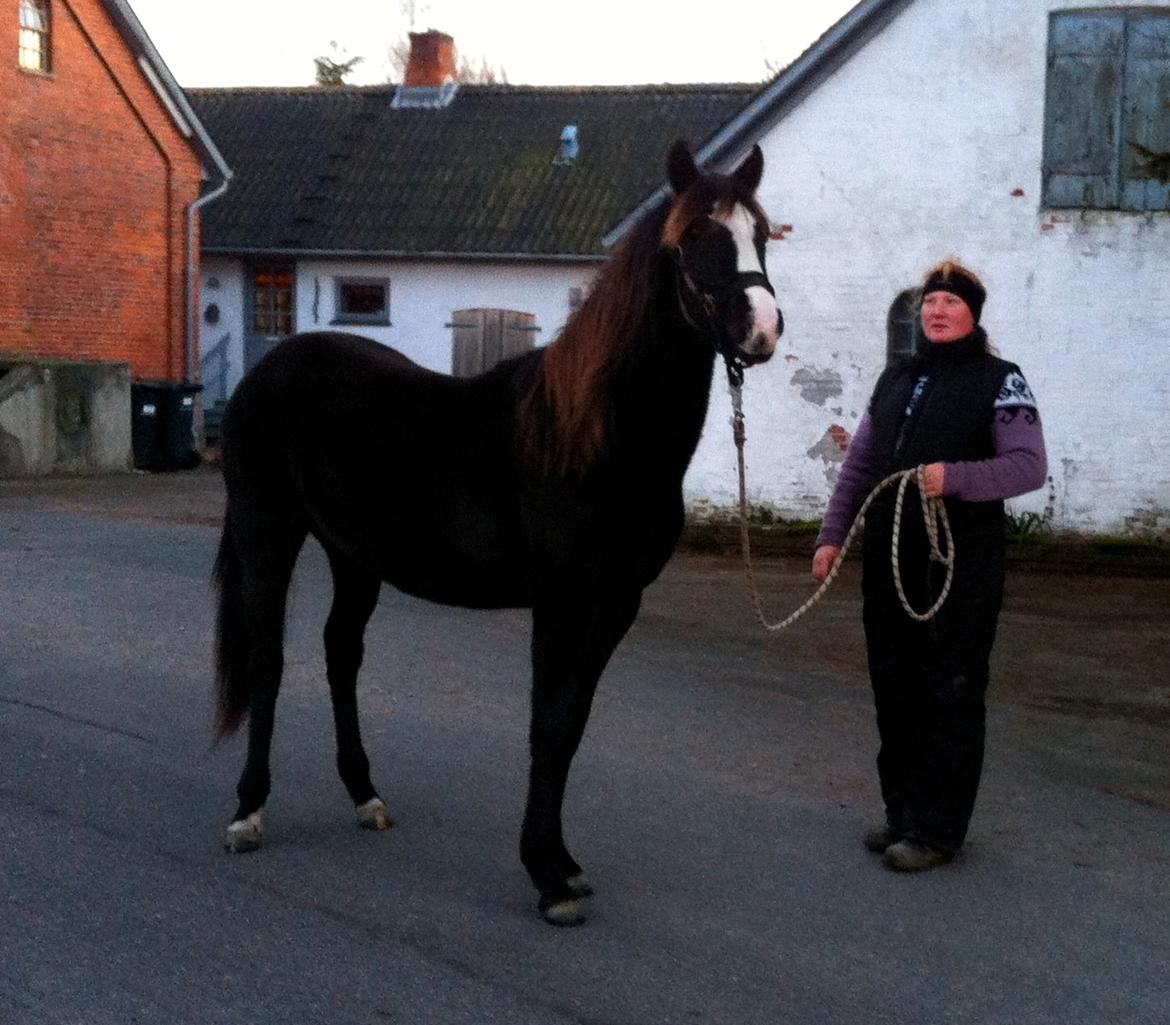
221	283
423	295
913	151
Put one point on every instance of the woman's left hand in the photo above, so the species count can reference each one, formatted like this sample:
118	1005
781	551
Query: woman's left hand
934	476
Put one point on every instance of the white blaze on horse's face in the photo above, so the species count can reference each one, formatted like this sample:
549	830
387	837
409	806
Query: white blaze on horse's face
765	327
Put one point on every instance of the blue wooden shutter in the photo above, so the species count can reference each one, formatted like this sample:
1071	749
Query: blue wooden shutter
1082	129
1146	120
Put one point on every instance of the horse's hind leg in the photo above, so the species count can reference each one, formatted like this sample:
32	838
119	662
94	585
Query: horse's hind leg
572	640
355	594
268	552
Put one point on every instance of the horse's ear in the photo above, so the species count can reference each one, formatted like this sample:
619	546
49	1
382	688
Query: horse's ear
749	173
680	167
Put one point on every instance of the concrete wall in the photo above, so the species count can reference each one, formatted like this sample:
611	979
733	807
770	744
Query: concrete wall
60	417
927	144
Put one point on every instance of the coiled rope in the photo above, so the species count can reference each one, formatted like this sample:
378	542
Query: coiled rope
934	515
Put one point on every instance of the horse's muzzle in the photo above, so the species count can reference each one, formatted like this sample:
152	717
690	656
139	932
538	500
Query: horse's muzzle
750	358
761	344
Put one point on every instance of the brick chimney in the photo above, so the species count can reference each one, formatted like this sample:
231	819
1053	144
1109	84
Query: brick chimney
432	59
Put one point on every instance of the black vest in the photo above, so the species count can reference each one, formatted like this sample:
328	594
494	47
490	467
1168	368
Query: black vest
951	420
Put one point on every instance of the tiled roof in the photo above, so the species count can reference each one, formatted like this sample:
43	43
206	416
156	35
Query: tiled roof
341	171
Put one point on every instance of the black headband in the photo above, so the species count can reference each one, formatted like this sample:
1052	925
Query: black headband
958	283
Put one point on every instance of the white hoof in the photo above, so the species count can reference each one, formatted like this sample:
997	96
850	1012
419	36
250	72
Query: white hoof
374	814
564	913
245	834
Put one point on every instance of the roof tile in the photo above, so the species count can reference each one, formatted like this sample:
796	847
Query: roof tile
340	170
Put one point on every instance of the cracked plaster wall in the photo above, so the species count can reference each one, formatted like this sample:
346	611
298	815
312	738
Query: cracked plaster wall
904	157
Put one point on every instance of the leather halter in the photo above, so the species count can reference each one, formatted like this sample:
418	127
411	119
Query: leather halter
709	296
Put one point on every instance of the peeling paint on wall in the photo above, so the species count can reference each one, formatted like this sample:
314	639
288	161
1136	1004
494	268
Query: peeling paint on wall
831	448
817	386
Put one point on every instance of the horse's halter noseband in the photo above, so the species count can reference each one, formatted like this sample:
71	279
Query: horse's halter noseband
709	297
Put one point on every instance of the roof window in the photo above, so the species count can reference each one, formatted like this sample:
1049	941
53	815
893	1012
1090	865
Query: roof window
424	97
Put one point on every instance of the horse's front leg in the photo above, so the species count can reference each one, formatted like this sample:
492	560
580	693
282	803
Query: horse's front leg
572	640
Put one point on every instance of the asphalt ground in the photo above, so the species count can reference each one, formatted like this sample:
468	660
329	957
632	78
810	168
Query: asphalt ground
717	803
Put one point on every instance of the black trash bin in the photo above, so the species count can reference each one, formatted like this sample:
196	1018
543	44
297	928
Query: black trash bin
163	425
143	424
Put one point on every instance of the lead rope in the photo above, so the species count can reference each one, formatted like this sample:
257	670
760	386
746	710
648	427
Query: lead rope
934	515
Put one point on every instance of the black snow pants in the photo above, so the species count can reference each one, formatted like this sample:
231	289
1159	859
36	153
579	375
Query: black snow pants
929	679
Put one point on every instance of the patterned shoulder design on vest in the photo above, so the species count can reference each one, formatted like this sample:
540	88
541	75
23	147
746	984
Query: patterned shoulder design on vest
1015	397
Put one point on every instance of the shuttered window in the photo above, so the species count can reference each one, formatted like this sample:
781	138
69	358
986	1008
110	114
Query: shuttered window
1107	110
484	337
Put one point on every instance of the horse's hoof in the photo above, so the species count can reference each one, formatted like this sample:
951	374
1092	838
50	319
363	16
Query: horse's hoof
245	835
374	814
562	912
579	885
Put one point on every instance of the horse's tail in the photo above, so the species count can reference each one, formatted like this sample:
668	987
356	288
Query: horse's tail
231	639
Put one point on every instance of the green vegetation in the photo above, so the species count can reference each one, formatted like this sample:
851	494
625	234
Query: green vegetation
1031	541
1025	526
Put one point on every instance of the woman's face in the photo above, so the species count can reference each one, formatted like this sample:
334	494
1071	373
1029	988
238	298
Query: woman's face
945	317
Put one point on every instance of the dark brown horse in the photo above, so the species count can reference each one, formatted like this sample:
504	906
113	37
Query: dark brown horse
553	481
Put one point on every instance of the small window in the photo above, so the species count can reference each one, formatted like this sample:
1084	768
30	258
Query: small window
34	36
1107	110
902	328
362	301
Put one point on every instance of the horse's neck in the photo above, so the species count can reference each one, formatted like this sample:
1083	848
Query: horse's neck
664	393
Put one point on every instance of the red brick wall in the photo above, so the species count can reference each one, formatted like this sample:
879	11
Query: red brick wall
95	179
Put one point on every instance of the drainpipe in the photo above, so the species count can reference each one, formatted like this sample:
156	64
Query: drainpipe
192	308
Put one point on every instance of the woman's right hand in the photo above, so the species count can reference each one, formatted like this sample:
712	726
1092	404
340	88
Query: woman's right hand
824	559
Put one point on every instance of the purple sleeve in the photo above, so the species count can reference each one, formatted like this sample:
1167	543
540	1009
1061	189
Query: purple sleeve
855	481
1018	466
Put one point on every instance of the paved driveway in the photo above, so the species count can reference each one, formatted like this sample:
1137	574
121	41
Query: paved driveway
717	804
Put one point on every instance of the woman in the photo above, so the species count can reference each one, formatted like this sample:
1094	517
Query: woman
970	418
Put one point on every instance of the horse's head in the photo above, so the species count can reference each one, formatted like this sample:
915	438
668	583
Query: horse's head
715	232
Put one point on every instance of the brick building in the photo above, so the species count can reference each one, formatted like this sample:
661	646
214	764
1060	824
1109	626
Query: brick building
103	169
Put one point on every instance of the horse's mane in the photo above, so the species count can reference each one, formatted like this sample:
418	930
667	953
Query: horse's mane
564	414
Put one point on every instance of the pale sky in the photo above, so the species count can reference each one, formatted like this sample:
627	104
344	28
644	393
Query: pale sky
537	42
